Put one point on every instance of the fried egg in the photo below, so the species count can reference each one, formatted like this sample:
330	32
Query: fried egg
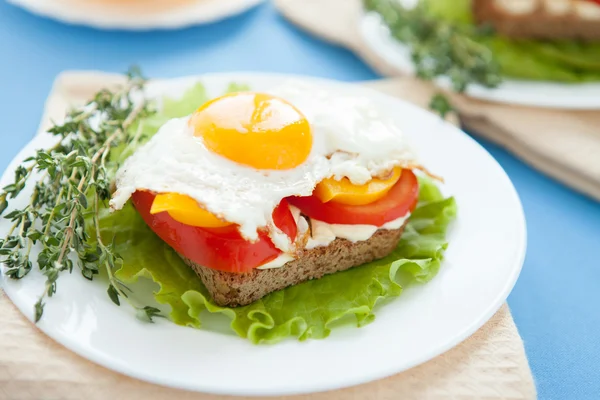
239	155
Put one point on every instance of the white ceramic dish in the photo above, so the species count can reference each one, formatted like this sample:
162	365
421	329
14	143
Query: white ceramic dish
483	261
137	15
583	96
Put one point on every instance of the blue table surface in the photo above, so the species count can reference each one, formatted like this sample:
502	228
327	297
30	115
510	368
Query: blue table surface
556	302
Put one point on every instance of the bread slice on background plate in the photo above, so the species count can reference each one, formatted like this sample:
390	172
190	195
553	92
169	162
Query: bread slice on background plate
541	19
239	289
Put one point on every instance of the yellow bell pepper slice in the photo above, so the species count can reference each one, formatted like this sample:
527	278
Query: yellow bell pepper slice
186	210
344	192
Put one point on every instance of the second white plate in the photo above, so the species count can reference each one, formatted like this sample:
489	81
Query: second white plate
583	96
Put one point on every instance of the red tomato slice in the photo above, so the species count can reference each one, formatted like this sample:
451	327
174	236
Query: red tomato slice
223	249
401	199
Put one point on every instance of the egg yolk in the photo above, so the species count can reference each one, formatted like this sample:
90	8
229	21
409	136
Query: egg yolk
254	129
186	210
344	192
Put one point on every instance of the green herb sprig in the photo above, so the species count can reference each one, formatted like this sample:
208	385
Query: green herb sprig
439	48
72	179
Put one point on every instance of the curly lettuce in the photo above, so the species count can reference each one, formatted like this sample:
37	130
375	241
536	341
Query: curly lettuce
307	310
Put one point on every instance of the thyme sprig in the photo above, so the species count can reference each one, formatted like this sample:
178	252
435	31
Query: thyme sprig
440	48
68	177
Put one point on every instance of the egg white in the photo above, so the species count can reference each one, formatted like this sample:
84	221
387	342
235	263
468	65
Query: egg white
350	139
361	141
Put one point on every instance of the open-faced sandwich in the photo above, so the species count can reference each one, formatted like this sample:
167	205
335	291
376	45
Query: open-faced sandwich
260	191
232	205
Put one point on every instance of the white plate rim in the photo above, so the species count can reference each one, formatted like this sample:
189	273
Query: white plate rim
196	13
369	376
577	96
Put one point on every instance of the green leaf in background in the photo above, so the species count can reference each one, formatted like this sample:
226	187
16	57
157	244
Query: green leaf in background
560	60
303	311
191	100
237	87
194	98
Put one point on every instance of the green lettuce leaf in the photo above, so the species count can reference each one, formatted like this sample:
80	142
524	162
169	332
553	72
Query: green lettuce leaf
307	310
193	98
558	60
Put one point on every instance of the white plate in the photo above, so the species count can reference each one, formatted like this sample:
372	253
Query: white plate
483	261
117	14
581	96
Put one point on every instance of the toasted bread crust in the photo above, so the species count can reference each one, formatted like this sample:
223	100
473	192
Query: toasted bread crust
239	289
541	19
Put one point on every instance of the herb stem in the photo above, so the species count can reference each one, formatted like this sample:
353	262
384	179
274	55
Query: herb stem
68	234
50	219
128	121
135	139
12	228
29	247
72	168
59	198
21	222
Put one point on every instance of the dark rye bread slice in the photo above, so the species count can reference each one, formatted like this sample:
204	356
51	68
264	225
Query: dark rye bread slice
239	289
541	19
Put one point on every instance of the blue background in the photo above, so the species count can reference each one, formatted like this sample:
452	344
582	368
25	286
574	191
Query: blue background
556	302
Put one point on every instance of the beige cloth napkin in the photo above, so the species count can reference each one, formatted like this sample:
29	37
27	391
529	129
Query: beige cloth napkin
562	144
491	364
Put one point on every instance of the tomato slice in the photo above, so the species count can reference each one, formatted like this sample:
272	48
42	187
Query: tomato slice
401	199
223	249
